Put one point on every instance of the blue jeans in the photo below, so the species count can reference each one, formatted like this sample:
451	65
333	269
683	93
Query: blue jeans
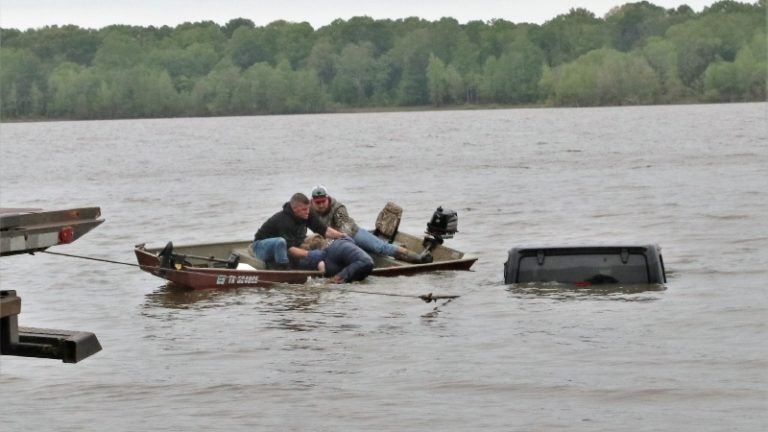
271	250
344	259
372	244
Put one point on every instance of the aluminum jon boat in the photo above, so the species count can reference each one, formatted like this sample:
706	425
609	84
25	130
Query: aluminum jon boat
231	264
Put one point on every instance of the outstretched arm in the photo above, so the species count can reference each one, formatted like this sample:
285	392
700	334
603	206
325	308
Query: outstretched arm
297	252
333	234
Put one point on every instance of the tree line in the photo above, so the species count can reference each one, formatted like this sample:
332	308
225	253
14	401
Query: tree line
639	53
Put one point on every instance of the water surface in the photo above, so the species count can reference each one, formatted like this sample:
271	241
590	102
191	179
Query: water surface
690	357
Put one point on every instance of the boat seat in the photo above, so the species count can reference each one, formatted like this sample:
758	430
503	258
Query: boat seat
246	256
388	221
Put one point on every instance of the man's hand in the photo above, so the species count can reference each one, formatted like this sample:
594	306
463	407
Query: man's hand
333	234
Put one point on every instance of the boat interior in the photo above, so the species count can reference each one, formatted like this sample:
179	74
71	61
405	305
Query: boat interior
222	255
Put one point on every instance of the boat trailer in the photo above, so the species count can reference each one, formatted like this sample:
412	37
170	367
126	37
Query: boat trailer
34	230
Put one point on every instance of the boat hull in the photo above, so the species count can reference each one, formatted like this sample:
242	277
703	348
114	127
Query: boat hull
213	277
199	273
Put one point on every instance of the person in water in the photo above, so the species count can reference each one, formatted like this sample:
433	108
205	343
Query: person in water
344	261
334	214
278	240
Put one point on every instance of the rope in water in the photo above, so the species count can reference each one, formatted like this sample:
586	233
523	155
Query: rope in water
95	259
125	263
425	297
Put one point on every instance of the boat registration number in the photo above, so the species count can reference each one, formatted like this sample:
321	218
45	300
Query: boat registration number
236	279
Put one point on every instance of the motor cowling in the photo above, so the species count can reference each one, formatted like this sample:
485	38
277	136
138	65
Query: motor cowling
444	223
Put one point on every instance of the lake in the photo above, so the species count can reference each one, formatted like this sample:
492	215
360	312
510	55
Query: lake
691	356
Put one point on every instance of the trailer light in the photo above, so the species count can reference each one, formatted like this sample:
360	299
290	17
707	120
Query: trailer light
66	235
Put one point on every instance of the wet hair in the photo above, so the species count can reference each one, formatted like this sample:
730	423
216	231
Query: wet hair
299	198
314	241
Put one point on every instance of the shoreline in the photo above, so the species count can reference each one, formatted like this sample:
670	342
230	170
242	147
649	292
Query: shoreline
373	110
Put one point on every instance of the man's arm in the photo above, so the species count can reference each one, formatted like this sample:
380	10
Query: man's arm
341	220
269	228
297	252
333	234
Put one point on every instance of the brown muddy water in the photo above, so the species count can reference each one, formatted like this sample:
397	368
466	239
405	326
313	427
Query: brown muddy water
690	356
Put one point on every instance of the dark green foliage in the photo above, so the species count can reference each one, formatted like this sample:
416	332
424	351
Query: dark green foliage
567	37
639	53
632	24
249	46
230	27
358	30
604	77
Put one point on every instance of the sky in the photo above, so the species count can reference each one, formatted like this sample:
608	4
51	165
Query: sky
24	14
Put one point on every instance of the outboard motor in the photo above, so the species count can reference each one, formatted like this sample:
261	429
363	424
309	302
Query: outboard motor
443	224
167	259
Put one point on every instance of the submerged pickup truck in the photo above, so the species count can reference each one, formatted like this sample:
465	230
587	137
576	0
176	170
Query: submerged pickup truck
584	265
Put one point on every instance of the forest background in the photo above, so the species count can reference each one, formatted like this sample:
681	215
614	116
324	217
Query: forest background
639	53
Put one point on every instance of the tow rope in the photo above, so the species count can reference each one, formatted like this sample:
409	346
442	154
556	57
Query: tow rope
428	298
92	258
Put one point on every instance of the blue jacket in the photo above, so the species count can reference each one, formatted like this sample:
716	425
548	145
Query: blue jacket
343	258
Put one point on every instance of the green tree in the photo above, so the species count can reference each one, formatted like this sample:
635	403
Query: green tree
145	37
604	77
67	43
271	87
307	94
248	47
9	103
354	80
212	95
662	57
409	58
185	65
190	33
740	80
733	7
492	38
466	61
11	61
202	68
632	24
140	91
385	82
119	51
69	97
322	59
10	37
229	28
22	82
515	76
358	30
289	41
569	36
437	81
445	35
702	41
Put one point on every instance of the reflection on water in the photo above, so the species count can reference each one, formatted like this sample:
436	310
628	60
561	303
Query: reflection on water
179	297
282	306
289	297
565	292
